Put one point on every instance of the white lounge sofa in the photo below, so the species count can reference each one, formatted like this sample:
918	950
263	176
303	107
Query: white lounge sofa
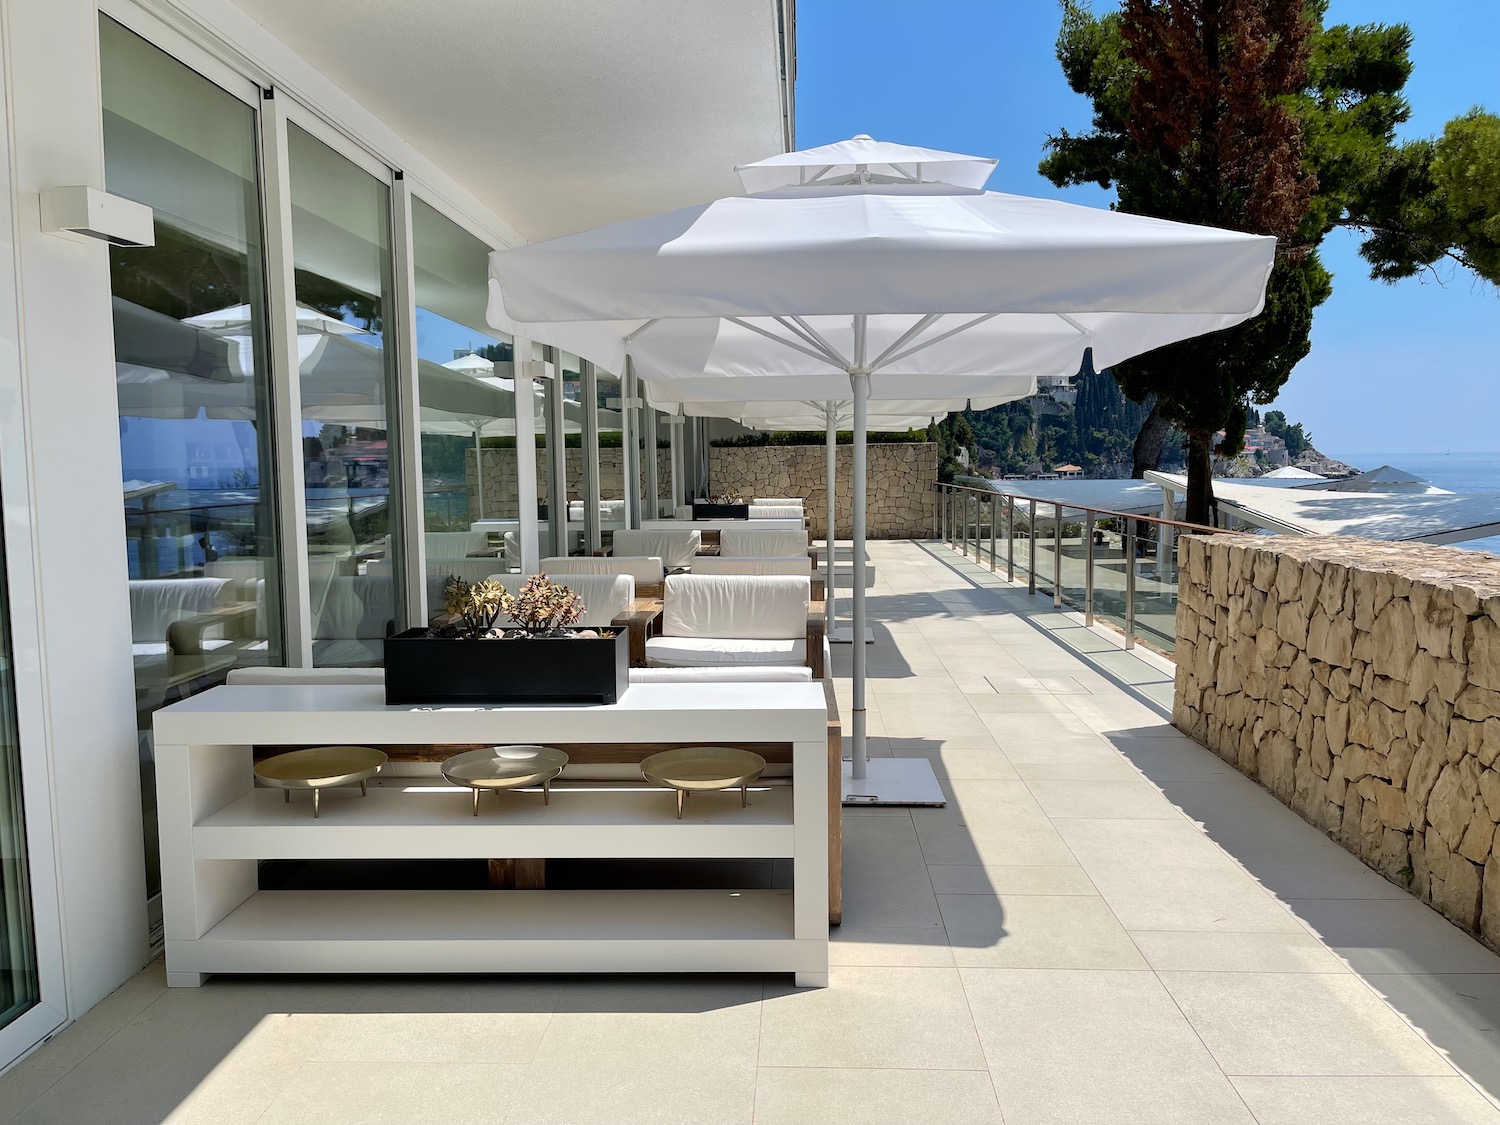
747	564
750	542
674	548
760	511
737	620
646	570
180	615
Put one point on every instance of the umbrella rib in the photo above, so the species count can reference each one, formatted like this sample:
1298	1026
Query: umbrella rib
641	329
779	339
832	351
964	327
906	337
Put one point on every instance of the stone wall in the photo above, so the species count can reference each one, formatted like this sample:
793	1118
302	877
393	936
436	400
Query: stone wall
500	478
1360	683
901	501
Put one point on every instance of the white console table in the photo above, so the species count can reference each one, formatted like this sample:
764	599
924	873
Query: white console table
216	825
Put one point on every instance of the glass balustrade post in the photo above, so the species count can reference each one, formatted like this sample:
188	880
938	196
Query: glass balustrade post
1129	583
1088	569
1057	545
992	534
1010	538
1031	547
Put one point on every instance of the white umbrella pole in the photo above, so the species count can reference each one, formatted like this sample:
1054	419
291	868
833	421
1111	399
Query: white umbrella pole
860	380
675	429
479	471
829	616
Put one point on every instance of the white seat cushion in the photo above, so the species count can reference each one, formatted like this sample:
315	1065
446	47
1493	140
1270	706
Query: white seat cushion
721	564
772	501
674	548
742	607
643	568
700	652
775	511
723	674
306	676
744	542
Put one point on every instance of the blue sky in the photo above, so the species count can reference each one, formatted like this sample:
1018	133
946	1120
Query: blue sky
1393	369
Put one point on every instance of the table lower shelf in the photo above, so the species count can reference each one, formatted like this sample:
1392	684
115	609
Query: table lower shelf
503	932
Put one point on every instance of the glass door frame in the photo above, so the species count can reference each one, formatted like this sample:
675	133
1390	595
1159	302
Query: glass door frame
22	591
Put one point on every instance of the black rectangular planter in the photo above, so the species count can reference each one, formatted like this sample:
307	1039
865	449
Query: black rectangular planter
707	510
421	668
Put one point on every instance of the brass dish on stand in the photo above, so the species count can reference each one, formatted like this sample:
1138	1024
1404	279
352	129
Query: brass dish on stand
506	767
697	769
321	767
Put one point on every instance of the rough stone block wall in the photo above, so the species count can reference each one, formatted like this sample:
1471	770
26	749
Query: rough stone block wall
500	478
1360	683
901	503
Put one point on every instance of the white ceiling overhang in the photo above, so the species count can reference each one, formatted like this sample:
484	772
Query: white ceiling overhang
560	116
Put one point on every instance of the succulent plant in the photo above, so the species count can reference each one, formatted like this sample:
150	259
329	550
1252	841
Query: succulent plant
543	606
473	606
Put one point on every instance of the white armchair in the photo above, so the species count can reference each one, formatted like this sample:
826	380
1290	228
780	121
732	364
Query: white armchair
759	511
674	548
605	597
746	542
646	570
747	564
738	620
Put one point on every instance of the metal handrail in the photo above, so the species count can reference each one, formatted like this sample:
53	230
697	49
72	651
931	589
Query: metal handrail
1108	512
1133	530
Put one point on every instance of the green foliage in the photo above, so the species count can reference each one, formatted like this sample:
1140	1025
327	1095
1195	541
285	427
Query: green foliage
1297	441
1417	203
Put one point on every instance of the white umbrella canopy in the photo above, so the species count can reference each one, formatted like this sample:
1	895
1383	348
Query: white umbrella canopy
939	286
864	160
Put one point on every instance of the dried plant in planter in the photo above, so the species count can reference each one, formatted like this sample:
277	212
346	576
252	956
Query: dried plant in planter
544	608
472	608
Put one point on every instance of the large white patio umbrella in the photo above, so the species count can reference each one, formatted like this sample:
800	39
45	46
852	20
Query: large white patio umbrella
946	289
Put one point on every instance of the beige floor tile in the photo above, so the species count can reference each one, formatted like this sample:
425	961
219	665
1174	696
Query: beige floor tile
1036	932
1394	936
909	1019
890	946
995	823
795	1096
1083	1047
1236	952
1364	1101
1030	730
396	1094
1108	800
976	879
1034	703
970	759
648	1050
1458	1013
36	1074
207	1055
1299	1023
885	878
1165	875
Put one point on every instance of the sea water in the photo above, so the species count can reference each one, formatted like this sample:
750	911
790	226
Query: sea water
1457	472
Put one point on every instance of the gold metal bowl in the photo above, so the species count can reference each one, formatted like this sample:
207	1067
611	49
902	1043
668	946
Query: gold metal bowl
321	767
506	767
703	768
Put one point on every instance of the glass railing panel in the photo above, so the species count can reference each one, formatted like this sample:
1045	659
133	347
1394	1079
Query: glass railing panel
1156	586
1074	562
1109	571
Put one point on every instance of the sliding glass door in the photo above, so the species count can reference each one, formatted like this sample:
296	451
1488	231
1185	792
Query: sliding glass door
19	984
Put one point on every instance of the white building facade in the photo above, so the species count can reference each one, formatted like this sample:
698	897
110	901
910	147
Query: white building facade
251	442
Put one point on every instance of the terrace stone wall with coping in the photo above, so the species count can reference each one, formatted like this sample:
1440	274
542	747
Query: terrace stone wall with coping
901	500
500	482
1360	683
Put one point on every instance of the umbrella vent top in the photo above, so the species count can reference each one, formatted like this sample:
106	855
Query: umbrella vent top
864	160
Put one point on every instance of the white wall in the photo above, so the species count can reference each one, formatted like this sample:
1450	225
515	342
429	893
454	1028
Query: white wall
78	528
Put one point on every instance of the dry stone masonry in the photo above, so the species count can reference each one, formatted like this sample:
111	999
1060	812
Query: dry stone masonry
1360	683
901	503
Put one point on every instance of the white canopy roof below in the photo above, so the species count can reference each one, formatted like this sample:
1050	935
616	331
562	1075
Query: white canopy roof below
1436	518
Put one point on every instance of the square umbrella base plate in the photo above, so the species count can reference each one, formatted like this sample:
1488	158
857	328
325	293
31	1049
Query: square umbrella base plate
894	781
844	635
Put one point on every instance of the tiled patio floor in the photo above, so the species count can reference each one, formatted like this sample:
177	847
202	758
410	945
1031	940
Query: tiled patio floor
1106	925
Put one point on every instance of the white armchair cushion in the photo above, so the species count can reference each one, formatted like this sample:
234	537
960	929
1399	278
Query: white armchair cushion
605	596
700	652
721	564
674	548
775	511
643	569
723	674
773	501
744	542
156	603
737	607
